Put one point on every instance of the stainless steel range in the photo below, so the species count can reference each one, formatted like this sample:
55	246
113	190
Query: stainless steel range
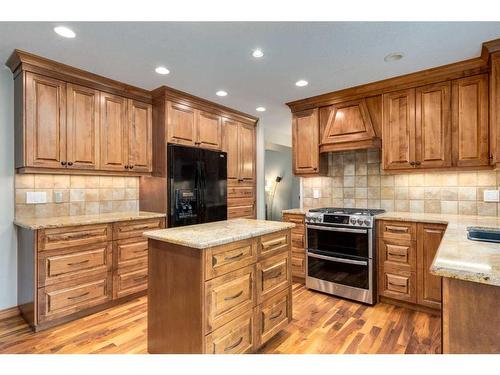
341	252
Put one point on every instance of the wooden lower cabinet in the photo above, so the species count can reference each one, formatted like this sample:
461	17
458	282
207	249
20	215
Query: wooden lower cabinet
298	262
80	269
196	307
405	254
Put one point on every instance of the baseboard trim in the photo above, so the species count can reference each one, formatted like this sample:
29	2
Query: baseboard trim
9	312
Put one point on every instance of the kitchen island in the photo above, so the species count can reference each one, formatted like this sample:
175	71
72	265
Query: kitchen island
222	287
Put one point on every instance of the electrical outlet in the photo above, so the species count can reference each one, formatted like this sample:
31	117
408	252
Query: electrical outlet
316	193
34	197
58	196
491	196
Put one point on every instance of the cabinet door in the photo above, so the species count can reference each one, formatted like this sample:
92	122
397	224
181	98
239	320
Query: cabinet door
114	125
246	142
428	286
433	126
305	139
398	135
470	121
209	133
82	141
231	147
181	124
45	130
140	142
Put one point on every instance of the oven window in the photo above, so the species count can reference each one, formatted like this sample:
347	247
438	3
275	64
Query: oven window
338	243
340	273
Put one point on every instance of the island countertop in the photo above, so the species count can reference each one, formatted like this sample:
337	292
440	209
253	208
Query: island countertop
458	257
202	236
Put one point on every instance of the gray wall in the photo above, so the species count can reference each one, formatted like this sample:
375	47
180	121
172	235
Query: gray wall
278	162
8	246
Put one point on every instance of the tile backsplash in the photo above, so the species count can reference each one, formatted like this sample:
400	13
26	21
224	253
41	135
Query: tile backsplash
81	195
355	179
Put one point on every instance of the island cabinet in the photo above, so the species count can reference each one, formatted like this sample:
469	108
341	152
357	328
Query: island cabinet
66	272
71	121
405	254
298	245
222	299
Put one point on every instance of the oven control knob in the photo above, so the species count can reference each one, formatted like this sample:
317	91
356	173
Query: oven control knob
360	221
367	222
353	220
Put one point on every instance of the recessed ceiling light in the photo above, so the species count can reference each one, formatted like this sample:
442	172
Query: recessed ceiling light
64	31
162	70
221	93
257	53
260	109
301	83
395	56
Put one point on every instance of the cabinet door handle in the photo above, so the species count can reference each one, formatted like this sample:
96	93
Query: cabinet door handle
234	345
276	315
77	263
233	297
79	296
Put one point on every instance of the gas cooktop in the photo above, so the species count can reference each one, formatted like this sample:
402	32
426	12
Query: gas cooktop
332	216
348	211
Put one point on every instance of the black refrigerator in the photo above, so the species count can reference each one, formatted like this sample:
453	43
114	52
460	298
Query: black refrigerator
197	188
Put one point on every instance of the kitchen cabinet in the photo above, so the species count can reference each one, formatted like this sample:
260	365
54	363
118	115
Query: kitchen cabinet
114	133
298	262
209	130
470	121
140	134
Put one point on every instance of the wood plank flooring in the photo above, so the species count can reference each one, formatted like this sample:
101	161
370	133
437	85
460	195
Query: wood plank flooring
321	324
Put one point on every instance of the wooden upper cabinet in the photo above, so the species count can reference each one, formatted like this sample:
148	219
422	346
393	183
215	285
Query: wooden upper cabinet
140	128
305	140
181	124
114	132
82	127
433	126
246	140
45	126
209	130
398	134
231	147
470	121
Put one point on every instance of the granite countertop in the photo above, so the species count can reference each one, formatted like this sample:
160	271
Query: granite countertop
66	221
297	211
203	236
458	257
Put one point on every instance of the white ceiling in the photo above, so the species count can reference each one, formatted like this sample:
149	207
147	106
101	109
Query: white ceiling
206	57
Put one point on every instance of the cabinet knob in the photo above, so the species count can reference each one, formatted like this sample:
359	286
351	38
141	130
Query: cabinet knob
63	163
70	163
412	163
131	166
418	163
126	167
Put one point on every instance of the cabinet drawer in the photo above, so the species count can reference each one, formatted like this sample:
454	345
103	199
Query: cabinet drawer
229	296
135	228
132	252
298	265
398	285
273	275
240	192
245	211
398	230
59	300
230	257
129	282
298	240
273	315
66	265
60	238
234	337
298	220
398	252
274	243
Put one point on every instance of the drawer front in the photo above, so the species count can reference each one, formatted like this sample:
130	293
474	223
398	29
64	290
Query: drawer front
274	243
59	300
241	211
130	282
399	285
273	274
66	265
298	265
298	240
226	258
398	230
135	228
131	252
399	253
273	315
235	337
61	238
229	296
240	192
298	220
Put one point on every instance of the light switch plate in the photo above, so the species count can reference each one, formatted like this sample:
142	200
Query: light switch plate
491	196
316	193
34	197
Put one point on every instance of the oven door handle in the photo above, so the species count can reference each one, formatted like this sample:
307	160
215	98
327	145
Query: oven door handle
340	260
331	229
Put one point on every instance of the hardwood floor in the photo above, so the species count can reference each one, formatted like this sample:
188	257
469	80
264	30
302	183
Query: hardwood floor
321	324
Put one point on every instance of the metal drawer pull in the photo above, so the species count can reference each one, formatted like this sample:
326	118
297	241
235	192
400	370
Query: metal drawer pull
233	297
390	228
234	257
340	260
81	295
330	229
234	345
77	263
276	315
